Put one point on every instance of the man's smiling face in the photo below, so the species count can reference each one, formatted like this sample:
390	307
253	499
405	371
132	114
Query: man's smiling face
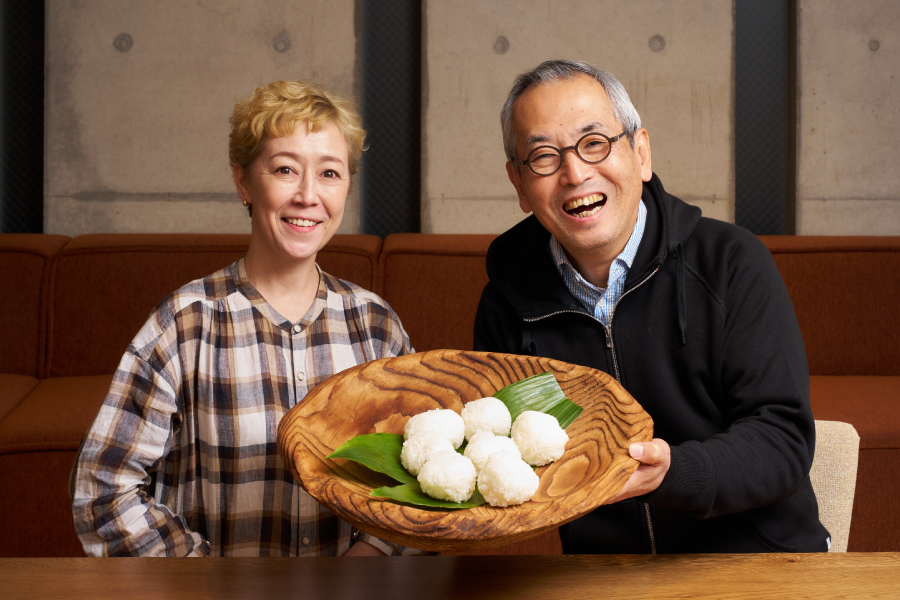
590	208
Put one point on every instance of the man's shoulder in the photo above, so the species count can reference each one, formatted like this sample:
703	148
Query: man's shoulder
527	238
726	237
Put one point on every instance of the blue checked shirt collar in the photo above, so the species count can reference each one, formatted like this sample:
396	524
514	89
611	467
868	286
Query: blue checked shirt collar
601	301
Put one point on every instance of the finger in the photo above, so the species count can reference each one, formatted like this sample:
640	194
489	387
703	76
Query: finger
646	452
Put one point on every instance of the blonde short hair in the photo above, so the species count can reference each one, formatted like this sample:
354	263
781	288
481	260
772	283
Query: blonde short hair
276	109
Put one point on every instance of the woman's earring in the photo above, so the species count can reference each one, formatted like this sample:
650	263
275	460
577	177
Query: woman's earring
244	202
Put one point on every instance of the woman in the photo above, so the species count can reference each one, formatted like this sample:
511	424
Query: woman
182	458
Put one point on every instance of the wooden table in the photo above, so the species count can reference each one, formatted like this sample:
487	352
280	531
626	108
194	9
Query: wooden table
852	575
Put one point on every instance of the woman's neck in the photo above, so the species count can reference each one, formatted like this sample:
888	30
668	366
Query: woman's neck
289	286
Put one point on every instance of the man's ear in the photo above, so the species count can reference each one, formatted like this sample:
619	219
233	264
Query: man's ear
642	147
516	179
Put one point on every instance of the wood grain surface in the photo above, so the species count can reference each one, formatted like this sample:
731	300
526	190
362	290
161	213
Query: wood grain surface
863	576
382	395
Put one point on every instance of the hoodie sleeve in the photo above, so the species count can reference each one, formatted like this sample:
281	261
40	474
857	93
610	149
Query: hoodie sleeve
766	448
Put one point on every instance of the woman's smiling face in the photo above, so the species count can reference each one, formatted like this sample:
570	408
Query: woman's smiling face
297	185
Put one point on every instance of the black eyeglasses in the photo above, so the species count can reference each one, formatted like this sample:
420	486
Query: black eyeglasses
592	148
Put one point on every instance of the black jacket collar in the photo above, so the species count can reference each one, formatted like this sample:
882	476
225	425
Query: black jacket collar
520	265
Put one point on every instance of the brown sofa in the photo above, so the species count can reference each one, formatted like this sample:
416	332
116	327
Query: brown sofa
73	305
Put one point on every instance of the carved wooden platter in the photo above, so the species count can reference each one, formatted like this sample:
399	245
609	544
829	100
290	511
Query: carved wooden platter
380	396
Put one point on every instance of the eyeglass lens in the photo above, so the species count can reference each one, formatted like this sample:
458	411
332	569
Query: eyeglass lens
592	148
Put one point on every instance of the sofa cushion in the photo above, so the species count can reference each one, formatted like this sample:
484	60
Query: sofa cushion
870	404
37	516
844	291
25	264
13	388
434	283
876	503
105	286
38	443
55	415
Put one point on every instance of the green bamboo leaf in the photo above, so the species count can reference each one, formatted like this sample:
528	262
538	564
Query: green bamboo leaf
411	493
539	393
565	412
378	451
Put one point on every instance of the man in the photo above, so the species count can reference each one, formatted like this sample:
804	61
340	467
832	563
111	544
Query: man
689	314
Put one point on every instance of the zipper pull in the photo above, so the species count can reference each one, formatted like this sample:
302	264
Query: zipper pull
608	330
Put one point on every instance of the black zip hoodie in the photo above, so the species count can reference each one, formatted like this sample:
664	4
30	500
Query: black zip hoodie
706	339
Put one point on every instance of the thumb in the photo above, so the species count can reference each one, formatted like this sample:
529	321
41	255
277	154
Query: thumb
646	452
636	450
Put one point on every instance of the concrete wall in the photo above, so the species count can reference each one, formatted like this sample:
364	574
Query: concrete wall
674	58
136	140
849	117
137	126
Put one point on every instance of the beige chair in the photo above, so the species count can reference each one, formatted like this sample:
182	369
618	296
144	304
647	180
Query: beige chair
833	476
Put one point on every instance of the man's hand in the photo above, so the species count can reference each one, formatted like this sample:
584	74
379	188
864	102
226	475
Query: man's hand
655	459
363	549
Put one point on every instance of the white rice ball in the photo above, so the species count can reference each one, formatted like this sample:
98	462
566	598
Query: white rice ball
539	437
486	414
439	421
419	447
484	443
448	475
507	480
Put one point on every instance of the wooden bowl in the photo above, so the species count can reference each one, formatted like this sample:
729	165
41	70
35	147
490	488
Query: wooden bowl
380	396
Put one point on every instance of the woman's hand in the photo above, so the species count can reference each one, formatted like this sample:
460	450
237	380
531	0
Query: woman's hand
363	549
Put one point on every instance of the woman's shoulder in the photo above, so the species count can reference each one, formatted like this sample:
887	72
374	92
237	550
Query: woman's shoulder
195	297
206	290
352	295
349	290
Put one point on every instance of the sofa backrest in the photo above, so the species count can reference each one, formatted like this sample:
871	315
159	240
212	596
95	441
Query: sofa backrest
25	260
844	291
433	282
104	287
78	302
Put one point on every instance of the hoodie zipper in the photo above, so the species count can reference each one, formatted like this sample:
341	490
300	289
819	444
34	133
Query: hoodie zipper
607	329
609	344
649	527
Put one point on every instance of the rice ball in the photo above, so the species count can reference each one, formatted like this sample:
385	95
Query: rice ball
507	480
448	475
484	443
437	422
539	437
419	447
487	414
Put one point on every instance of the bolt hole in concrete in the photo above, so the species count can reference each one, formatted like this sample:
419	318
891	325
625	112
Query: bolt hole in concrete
282	43
874	45
123	42
657	43
501	45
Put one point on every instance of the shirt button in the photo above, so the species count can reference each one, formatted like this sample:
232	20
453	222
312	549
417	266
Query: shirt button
301	375
305	540
296	328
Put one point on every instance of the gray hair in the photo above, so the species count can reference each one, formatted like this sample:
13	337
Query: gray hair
554	70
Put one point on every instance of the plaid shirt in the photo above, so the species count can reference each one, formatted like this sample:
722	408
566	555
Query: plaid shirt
182	457
601	301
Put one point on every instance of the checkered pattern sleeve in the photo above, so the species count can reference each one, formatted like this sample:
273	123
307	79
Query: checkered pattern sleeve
114	513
